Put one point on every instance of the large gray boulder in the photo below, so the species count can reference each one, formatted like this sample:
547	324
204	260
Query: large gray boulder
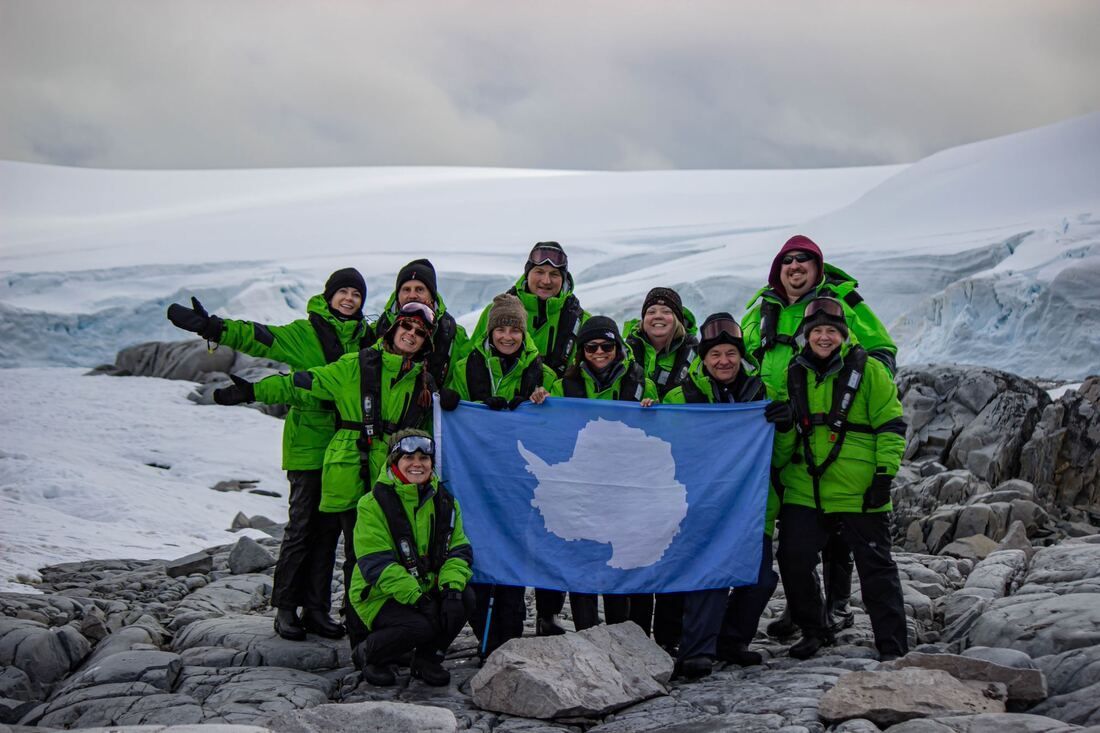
590	673
127	703
45	655
249	556
1040	624
255	639
1080	706
985	723
366	717
1071	671
1023	686
886	698
1062	455
250	695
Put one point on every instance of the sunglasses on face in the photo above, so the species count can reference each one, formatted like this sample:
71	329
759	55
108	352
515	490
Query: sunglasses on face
797	257
416	330
606	347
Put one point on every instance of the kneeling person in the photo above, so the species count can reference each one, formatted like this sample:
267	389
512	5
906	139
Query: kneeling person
412	565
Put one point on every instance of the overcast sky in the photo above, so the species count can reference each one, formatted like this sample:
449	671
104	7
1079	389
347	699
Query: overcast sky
619	84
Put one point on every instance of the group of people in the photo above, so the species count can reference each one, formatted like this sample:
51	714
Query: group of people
360	458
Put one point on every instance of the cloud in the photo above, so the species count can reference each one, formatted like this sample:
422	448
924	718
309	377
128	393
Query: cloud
617	85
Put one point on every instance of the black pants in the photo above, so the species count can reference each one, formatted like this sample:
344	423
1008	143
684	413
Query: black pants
303	573
836	570
509	609
804	533
668	619
723	617
617	609
357	630
548	602
399	629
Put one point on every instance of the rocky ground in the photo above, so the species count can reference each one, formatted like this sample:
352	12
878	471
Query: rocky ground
999	557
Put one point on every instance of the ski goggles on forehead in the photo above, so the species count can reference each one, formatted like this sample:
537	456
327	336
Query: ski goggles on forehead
548	256
796	257
712	330
828	306
413	444
418	310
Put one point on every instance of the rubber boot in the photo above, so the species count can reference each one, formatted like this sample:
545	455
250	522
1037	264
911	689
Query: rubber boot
287	624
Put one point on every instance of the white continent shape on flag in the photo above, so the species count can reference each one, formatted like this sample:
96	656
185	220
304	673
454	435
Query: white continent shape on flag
619	487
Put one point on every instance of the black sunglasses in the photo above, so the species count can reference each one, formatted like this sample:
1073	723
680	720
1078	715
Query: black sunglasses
606	347
797	257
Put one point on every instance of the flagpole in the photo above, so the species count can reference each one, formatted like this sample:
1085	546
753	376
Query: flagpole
437	430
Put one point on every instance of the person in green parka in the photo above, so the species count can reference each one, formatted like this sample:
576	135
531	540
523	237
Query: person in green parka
554	315
663	341
502	372
799	274
604	369
835	470
416	283
720	623
334	326
386	380
413	562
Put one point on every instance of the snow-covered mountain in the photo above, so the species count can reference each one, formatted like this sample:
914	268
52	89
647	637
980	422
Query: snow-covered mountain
985	253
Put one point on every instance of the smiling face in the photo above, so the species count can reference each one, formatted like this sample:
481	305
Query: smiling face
598	355
545	281
723	362
507	339
798	278
416	467
346	301
414	291
658	323
409	337
824	340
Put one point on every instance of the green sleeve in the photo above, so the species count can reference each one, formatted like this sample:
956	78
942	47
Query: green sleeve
275	390
650	391
870	331
750	332
557	389
372	537
456	570
675	396
785	443
335	378
457	380
883	406
548	378
292	344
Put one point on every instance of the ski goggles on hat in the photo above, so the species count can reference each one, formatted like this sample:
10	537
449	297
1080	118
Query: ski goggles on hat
828	306
712	330
552	256
606	347
417	310
413	444
796	257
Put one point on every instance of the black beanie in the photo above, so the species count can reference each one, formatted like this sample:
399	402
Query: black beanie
420	270
706	344
599	327
349	277
551	246
666	297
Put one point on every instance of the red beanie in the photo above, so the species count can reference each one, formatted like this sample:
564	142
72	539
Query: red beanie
798	242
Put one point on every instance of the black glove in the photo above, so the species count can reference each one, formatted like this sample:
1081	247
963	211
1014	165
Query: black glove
878	493
240	391
516	402
428	605
496	403
195	319
448	399
452	609
780	414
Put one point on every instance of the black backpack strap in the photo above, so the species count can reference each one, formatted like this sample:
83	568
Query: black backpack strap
443	340
565	336
328	338
632	386
478	381
637	347
401	531
769	330
692	393
573	386
752	390
531	379
443	527
676	376
370	398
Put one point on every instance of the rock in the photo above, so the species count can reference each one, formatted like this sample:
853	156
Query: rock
985	723
1081	707
1066	568
1070	671
158	669
242	695
197	562
255	636
989	446
202	728
886	698
975	547
241	521
235	594
1040	624
248	556
1025	686
1001	572
145	633
259	521
366	717
1062	456
1003	657
45	655
1016	539
585	674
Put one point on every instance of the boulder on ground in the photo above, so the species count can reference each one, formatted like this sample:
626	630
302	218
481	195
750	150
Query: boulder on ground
1081	707
1040	624
45	655
366	717
196	562
248	556
985	723
590	673
886	698
255	637
975	547
1025	686
231	595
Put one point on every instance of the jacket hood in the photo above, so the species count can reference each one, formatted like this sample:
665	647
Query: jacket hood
795	243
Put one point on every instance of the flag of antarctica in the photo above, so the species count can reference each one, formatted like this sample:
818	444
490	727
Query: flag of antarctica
597	496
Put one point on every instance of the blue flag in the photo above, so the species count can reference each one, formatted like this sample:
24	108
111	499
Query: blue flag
596	496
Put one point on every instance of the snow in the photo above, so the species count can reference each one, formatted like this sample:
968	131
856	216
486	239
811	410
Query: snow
986	253
75	479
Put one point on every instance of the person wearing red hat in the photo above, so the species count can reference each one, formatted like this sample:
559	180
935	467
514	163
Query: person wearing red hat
799	274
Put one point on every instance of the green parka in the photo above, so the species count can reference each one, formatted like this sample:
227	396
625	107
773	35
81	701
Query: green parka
339	382
379	574
311	423
875	446
746	388
481	374
668	368
449	340
835	283
543	317
614	388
